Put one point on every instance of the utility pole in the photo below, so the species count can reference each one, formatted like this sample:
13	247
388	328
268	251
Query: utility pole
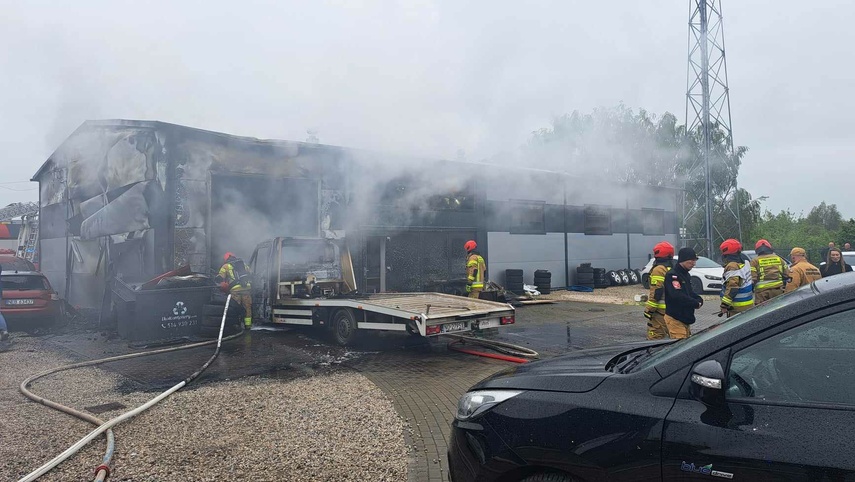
708	116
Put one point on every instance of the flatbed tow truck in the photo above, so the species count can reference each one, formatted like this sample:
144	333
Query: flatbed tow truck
310	282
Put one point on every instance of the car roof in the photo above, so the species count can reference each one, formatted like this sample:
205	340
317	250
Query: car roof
820	294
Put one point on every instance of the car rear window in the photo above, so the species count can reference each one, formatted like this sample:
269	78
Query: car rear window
10	263
706	263
23	282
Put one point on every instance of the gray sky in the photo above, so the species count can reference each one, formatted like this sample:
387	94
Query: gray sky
427	77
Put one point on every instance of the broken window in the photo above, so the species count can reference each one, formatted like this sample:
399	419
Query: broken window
653	221
598	220
527	217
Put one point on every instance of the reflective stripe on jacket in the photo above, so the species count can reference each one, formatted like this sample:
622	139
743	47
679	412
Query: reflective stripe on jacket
476	270
744	290
656	297
768	272
236	274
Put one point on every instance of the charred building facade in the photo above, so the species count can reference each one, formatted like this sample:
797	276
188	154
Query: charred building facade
134	199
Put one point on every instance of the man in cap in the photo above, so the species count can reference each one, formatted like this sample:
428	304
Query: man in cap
768	271
801	272
680	301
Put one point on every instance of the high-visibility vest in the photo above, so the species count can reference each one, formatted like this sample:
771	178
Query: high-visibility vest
657	281
476	271
745	294
769	269
236	274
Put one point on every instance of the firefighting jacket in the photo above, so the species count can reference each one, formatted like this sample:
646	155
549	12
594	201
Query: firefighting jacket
656	297
737	291
802	273
476	271
768	272
681	302
236	274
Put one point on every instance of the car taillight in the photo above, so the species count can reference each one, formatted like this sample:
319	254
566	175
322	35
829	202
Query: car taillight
507	320
433	330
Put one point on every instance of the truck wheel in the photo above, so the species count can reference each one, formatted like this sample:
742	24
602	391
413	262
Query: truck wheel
343	327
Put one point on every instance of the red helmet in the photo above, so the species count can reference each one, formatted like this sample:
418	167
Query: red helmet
730	246
470	245
762	242
228	255
663	250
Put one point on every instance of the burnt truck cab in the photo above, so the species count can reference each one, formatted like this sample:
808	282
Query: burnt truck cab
310	281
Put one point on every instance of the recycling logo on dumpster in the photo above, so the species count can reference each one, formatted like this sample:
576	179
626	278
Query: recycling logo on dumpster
179	309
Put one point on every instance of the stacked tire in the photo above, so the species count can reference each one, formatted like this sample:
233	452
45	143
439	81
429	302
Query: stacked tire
600	278
212	316
514	281
543	281
585	275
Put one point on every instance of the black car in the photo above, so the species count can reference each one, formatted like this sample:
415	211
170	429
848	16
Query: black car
766	395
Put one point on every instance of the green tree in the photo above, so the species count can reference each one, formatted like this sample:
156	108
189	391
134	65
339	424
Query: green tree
825	215
847	232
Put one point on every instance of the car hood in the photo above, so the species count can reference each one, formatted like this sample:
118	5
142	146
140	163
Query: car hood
576	372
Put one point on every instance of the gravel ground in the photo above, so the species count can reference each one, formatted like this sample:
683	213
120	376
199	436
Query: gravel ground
618	295
330	427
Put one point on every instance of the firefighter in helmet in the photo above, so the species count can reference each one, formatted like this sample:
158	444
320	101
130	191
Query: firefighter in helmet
234	278
476	270
654	310
737	291
768	271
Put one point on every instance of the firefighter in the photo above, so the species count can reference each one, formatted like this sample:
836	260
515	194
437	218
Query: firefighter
737	291
681	302
654	310
801	272
768	271
234	277
476	270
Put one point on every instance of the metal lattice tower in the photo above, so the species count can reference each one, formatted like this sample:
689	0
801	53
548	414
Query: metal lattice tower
709	215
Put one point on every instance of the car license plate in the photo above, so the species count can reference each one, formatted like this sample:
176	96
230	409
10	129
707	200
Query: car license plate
20	302
449	327
489	323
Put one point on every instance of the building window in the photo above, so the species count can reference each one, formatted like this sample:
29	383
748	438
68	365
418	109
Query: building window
527	217
653	222
598	220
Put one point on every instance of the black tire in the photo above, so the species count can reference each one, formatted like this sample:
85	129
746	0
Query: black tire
585	265
584	278
633	278
697	285
585	269
599	271
542	281
344	327
547	478
513	279
542	273
624	278
645	281
544	290
614	278
513	272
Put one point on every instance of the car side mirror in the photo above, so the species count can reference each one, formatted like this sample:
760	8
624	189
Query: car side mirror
708	383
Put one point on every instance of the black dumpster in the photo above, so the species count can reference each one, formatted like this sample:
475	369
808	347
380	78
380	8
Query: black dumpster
160	314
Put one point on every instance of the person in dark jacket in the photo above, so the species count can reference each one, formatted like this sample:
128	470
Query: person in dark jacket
834	264
680	301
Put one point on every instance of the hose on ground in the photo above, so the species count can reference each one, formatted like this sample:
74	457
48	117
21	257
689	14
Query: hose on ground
509	352
103	470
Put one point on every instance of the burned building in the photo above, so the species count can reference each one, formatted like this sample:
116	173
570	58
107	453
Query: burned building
133	199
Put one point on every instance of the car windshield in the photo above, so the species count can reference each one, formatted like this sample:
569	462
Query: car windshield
23	282
717	329
706	263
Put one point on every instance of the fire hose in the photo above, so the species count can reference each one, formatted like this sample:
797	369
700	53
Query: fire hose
103	470
509	352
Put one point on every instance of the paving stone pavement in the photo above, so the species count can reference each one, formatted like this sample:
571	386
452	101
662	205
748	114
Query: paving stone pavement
425	384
